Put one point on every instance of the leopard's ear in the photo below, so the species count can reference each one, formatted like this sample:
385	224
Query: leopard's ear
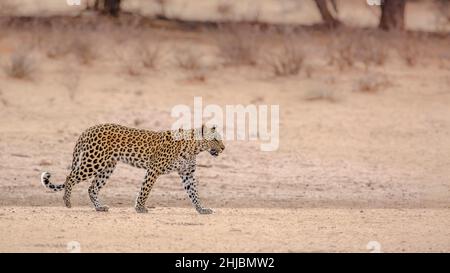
203	130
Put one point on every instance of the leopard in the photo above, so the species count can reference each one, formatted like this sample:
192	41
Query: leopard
100	147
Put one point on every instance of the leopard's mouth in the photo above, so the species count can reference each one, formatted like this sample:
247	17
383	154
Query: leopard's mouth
214	152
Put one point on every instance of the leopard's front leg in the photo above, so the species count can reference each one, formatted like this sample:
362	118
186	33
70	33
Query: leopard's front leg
190	185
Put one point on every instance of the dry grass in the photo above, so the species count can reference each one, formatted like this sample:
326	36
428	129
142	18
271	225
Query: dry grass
135	59
372	53
288	61
162	7
150	56
309	70
133	67
57	50
3	101
71	81
238	44
57	44
83	50
198	77
187	59
20	65
130	62
191	62
372	83
341	52
442	17
320	94
348	49
138	122
409	54
225	10
8	8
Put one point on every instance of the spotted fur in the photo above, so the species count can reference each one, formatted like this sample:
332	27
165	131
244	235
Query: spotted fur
99	148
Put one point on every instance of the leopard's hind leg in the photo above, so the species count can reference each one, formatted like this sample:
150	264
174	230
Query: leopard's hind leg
150	179
99	181
72	179
80	172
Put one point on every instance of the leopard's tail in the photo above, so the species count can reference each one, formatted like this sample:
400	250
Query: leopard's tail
45	180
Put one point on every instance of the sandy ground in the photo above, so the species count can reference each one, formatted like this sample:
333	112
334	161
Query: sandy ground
228	230
352	166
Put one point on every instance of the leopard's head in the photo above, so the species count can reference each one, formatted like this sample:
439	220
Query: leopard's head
212	140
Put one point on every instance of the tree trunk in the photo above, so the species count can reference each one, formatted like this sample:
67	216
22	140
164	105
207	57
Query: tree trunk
96	4
112	7
393	15
327	17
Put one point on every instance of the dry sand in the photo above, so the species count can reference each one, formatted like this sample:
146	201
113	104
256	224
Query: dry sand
50	229
352	166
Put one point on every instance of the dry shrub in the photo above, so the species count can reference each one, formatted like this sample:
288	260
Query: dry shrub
57	50
190	61
320	94
138	122
198	76
133	68
3	100
372	83
225	9
442	16
58	44
8	8
20	65
162	7
341	53
309	70
150	55
83	50
131	64
71	81
348	49
409	54
288	61
138	58
372	52
238	44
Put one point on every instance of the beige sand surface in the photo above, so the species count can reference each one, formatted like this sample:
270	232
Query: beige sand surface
51	229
